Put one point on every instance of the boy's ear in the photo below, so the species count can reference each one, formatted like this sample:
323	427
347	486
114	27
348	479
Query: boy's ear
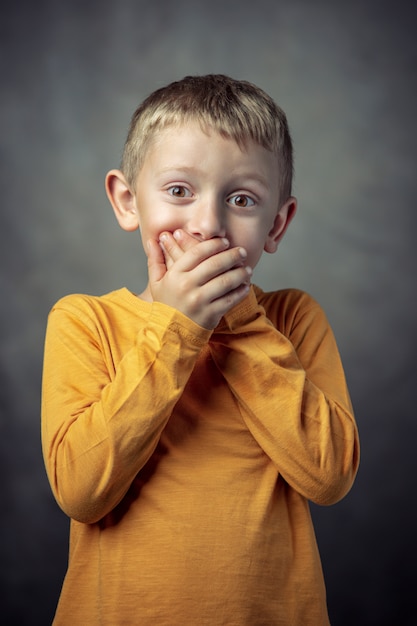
281	222
122	200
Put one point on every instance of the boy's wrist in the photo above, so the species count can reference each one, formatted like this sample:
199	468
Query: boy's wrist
183	325
240	314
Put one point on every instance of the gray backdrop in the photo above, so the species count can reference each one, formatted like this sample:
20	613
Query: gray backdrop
71	75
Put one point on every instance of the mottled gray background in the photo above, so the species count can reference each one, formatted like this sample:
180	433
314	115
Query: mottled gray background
345	72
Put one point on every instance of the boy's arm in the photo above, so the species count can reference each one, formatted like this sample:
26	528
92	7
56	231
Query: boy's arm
98	430
293	397
101	420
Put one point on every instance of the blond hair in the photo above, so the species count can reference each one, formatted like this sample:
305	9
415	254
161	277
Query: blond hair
235	109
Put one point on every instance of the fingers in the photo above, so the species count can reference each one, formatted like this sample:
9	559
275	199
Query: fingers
184	239
156	261
209	303
196	252
210	263
175	244
212	314
222	286
171	249
226	266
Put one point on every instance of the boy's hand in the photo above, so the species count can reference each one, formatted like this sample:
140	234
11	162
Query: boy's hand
201	279
175	244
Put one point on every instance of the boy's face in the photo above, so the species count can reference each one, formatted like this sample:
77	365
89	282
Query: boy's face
207	186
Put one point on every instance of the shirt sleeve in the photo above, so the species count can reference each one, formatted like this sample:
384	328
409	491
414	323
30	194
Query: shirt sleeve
100	424
292	394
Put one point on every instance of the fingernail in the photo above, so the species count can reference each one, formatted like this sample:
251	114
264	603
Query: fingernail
243	253
249	270
225	241
163	237
176	234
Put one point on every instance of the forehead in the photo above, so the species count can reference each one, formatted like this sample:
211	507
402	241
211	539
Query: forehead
191	138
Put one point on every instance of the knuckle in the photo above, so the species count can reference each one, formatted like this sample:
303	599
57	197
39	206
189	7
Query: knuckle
194	300
183	285
195	251
226	282
216	264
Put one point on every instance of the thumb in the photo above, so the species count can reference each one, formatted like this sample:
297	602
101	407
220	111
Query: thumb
156	262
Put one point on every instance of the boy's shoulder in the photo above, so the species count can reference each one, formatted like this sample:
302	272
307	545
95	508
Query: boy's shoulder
289	308
285	299
86	306
84	300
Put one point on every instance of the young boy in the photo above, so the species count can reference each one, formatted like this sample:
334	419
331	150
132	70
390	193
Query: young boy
185	428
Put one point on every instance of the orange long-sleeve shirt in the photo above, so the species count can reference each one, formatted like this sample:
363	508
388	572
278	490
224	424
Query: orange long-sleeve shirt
186	459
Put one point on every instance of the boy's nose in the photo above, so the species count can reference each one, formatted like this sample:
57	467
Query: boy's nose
207	221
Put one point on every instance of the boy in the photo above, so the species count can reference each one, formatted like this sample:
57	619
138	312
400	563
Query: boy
185	429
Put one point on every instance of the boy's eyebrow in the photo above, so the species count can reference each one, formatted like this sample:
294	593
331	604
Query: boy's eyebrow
187	169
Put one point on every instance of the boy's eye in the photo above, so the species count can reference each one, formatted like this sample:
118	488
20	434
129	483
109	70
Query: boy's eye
178	191
242	201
